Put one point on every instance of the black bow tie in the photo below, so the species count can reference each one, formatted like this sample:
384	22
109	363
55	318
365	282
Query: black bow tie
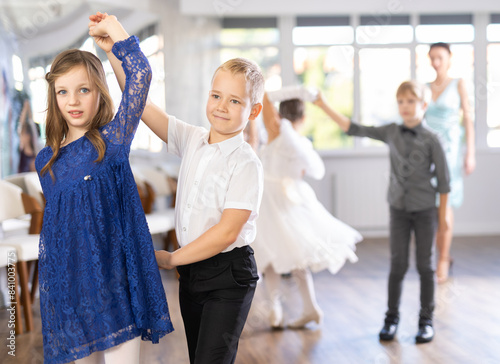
405	129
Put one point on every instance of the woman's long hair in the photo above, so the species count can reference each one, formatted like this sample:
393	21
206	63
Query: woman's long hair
56	126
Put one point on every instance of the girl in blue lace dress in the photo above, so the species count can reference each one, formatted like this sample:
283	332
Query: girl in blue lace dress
100	287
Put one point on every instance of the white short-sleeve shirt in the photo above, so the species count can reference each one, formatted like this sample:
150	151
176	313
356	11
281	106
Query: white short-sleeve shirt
213	177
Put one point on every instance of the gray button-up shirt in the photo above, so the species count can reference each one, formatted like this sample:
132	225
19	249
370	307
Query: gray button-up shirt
416	158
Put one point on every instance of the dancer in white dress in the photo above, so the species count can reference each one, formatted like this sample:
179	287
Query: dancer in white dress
295	233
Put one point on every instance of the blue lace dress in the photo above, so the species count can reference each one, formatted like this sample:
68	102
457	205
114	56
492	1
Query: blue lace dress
99	281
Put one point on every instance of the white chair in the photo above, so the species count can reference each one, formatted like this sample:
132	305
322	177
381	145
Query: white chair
160	195
12	205
13	219
159	181
34	188
17	179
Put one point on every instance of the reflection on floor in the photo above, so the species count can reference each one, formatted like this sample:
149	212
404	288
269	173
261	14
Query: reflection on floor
467	321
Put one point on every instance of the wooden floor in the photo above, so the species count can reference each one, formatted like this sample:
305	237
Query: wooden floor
467	317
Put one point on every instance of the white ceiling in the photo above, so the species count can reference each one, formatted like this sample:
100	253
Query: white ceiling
42	26
332	7
30	18
26	18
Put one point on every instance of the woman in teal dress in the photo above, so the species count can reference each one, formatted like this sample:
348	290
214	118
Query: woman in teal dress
449	115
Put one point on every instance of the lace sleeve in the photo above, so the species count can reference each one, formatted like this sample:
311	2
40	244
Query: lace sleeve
137	70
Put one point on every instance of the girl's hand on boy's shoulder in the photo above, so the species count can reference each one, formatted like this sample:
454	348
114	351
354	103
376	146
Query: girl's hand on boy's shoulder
163	259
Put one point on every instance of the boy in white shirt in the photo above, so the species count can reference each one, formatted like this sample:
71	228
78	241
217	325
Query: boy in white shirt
218	198
220	189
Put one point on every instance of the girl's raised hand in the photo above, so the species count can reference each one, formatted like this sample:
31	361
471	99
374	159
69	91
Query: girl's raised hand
95	30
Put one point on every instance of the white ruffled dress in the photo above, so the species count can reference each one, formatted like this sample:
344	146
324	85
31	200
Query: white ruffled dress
294	230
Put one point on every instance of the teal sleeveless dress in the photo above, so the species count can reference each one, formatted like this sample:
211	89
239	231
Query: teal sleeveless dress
444	117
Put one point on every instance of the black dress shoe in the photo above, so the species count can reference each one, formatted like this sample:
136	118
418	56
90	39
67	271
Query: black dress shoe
425	334
388	331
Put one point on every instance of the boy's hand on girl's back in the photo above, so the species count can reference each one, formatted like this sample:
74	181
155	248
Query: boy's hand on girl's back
101	39
163	259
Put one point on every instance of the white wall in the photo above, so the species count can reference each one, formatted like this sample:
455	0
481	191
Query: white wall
191	57
355	185
270	7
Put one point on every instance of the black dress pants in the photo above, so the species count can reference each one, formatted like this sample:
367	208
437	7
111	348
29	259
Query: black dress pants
424	225
215	296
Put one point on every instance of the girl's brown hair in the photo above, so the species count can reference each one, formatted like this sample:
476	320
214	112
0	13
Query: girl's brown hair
56	127
292	109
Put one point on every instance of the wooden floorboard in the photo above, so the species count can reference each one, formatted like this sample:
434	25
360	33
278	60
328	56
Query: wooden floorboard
467	318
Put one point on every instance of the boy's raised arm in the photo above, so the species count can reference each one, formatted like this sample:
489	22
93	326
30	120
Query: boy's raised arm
343	121
155	118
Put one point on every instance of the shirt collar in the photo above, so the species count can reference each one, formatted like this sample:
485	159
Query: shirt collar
415	130
229	145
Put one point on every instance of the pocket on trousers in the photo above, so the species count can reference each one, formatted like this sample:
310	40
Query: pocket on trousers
227	275
213	278
244	271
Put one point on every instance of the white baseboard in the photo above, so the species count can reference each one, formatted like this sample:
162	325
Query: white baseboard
463	229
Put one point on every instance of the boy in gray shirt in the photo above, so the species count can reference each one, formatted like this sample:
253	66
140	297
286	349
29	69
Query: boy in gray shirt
416	157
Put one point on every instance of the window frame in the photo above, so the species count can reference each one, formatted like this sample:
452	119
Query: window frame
355	21
483	75
479	44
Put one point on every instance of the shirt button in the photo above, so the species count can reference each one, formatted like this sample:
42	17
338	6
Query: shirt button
195	183
184	229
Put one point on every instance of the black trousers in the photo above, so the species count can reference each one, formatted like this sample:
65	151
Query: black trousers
215	296
424	225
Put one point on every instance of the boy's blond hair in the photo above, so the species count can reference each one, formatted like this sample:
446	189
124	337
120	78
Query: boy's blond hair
252	73
420	91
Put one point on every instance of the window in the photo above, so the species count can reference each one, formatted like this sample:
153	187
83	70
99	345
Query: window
381	72
445	28
323	35
493	111
38	91
17	69
385	51
145	139
493	32
331	70
256	39
323	58
384	30
493	83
